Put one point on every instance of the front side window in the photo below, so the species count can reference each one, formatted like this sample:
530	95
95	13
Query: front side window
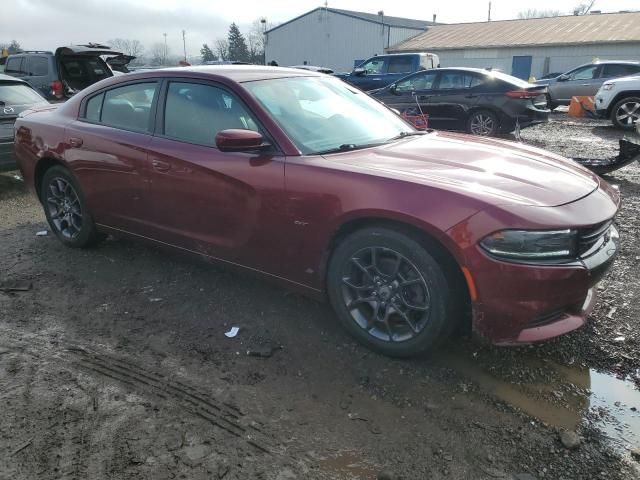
400	65
195	113
38	66
127	107
373	66
323	114
585	73
421	81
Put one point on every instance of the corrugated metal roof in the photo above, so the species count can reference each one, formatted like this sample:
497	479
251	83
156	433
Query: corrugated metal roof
566	30
367	17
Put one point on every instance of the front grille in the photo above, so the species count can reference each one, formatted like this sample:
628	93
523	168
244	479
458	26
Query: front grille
591	239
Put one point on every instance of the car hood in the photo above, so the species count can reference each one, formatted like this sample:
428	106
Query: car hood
501	172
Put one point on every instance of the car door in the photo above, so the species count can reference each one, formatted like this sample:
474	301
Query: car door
411	94
450	100
583	81
372	75
107	151
38	74
220	204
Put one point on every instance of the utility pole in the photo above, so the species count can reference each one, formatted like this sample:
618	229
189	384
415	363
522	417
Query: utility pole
489	18
164	53
184	44
263	21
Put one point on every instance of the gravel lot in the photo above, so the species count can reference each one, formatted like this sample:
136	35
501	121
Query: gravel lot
114	364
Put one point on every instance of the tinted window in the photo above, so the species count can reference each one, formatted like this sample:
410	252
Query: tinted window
128	107
585	73
458	80
38	66
400	65
373	66
421	81
619	70
16	94
14	65
195	113
94	108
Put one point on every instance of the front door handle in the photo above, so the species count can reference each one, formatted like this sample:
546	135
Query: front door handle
75	142
160	166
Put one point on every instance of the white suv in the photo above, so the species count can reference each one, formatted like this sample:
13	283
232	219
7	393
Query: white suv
619	100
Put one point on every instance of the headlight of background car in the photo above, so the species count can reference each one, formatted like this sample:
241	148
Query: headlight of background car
532	245
608	86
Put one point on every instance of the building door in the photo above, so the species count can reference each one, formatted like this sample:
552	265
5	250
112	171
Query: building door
521	67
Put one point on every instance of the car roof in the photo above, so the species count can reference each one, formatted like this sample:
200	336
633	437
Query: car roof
237	73
9	78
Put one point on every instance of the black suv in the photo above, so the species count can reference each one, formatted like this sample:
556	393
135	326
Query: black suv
59	75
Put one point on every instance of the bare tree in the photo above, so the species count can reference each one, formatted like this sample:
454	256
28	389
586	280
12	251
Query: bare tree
159	53
127	46
584	8
535	13
222	48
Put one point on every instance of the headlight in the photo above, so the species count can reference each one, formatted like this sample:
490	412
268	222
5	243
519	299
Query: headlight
532	245
608	86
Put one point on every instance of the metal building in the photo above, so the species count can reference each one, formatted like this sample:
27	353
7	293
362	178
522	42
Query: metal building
334	38
532	47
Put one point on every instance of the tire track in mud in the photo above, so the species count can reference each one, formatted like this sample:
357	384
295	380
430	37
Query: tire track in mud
219	414
222	415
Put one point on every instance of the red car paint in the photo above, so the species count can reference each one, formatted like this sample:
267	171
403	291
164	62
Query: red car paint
281	214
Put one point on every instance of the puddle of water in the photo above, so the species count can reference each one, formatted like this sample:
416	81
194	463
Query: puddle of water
565	399
348	465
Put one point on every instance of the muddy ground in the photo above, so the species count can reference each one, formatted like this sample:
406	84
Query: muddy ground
114	364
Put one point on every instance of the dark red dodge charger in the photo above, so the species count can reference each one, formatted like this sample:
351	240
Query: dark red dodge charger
304	179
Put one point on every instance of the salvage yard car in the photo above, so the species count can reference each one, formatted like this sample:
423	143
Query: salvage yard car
619	100
58	76
15	96
471	100
308	181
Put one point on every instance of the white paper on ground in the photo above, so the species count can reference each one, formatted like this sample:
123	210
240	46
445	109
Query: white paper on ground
232	333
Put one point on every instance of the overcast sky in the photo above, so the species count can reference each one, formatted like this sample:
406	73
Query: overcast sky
46	24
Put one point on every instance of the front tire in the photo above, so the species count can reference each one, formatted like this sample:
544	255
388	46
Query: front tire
626	113
483	123
66	209
389	292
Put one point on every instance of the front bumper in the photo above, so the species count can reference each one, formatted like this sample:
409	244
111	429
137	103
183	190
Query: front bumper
7	158
526	303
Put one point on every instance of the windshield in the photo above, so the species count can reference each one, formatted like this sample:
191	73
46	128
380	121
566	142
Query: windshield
325	114
16	94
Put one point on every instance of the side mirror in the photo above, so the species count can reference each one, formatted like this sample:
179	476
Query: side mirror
563	78
359	71
238	140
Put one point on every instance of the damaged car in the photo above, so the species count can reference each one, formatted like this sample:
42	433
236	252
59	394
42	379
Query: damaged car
308	181
61	74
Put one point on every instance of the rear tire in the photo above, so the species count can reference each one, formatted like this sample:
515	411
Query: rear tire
551	105
66	209
483	123
389	292
626	113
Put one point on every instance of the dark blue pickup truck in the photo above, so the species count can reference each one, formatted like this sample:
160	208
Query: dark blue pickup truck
382	70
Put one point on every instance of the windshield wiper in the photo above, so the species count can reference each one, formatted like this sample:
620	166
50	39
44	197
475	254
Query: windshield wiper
406	134
346	147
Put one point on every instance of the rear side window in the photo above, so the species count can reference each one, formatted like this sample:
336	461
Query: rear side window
14	65
458	80
619	70
400	65
195	113
38	66
127	107
94	108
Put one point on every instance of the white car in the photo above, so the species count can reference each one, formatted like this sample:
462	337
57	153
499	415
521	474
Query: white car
619	100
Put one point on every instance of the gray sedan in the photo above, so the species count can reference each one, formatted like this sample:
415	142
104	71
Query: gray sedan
585	80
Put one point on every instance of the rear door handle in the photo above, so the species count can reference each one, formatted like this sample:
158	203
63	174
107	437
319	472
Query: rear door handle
160	166
75	142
